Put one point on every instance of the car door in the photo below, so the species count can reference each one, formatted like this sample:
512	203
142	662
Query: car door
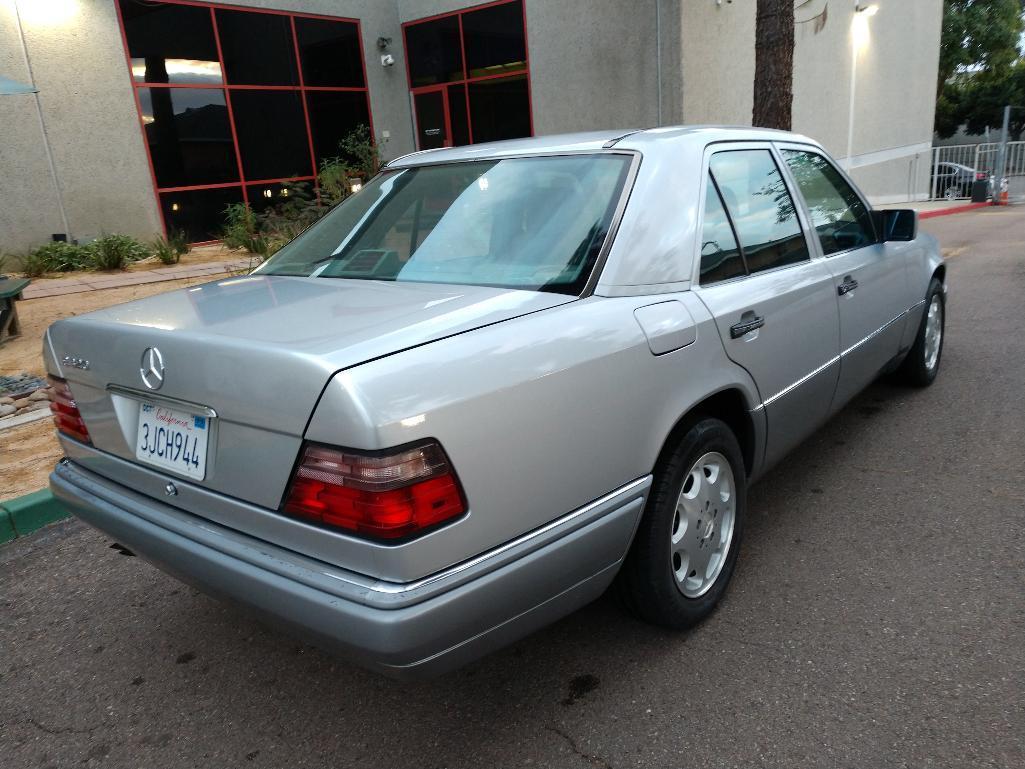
772	302
870	281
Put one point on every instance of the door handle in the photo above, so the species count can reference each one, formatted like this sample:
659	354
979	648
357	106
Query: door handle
848	285
748	323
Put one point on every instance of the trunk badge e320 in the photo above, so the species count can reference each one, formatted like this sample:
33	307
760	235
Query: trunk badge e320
73	362
152	370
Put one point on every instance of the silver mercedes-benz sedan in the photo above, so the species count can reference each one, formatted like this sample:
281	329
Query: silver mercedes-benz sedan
494	382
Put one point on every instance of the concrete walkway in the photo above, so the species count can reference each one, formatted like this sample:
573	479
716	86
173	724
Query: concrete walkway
99	280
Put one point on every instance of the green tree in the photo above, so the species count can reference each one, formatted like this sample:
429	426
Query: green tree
978	55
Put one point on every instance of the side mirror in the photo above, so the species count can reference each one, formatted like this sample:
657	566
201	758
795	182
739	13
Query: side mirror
896	224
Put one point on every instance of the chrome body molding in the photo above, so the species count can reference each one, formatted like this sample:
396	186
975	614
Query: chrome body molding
836	358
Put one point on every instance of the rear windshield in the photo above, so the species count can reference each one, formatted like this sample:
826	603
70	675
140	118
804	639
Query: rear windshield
527	223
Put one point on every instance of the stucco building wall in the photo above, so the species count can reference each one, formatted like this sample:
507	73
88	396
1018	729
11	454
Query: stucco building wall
593	64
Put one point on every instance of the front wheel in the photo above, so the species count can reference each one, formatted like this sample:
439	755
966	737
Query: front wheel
687	542
923	362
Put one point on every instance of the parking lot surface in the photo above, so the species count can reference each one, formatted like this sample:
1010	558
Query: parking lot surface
876	619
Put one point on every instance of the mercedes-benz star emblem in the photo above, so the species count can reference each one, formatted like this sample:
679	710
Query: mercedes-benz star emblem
152	370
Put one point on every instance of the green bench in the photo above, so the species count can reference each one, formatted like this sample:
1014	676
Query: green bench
10	293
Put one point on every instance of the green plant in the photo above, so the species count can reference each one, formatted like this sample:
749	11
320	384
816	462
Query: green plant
362	154
240	225
115	252
179	241
35	264
58	256
165	250
3	261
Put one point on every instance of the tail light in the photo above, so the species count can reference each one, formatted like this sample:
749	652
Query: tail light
65	411
390	495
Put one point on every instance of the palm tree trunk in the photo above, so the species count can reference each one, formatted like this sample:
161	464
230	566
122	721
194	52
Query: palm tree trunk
774	64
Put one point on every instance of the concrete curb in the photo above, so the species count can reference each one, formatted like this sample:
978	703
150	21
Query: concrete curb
23	515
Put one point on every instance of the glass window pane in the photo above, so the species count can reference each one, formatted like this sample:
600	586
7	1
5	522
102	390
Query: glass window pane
257	48
170	43
500	109
434	51
762	209
528	223
271	132
720	257
457	115
839	216
333	114
188	135
199	212
330	53
494	40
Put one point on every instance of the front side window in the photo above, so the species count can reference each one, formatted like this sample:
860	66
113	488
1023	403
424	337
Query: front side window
839	216
527	223
762	210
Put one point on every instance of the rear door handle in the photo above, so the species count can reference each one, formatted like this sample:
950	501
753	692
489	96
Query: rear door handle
748	323
848	285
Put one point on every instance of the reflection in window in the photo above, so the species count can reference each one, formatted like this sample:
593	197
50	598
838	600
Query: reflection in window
271	134
330	53
222	101
500	108
170	43
434	51
200	213
761	208
720	256
188	135
839	216
495	40
528	223
333	114
257	48
457	115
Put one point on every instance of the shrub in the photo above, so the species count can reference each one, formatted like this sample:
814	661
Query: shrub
179	241
57	256
165	250
115	252
35	264
3	261
240	225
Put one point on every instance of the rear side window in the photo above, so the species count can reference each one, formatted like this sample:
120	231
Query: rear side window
840	218
720	255
761	208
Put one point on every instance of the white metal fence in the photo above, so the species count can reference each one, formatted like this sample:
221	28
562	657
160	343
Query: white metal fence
949	181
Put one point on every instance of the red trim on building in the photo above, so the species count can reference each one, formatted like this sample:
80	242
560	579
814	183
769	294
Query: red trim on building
466	79
226	87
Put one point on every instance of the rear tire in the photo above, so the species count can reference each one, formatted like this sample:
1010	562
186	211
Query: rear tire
686	546
920	367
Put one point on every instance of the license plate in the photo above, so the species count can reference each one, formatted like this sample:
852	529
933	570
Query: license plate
173	439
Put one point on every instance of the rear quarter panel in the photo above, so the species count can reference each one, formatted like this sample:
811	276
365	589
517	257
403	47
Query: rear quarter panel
539	416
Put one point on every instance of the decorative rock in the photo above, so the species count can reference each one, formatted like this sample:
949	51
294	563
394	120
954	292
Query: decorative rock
33	405
6	409
5	401
40	395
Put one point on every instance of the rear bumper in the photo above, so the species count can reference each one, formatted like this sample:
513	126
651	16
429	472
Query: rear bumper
403	630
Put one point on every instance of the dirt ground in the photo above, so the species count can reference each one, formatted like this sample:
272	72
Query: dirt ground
28	452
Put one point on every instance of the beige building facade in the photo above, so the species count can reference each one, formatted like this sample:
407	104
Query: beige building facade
83	156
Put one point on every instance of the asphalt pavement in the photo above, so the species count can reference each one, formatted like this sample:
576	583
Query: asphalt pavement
877	617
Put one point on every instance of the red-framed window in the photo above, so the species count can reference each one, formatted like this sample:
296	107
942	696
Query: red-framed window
469	75
235	101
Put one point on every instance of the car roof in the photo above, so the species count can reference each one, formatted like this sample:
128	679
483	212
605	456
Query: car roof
596	141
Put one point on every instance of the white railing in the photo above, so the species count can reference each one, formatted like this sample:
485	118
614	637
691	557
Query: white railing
980	158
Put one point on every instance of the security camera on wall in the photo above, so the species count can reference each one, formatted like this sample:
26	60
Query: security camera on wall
387	60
